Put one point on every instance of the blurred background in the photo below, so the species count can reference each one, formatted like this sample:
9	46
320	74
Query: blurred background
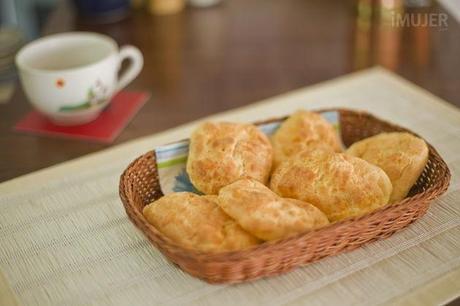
207	56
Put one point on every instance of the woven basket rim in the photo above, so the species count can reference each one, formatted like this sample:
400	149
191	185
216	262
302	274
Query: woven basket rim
226	256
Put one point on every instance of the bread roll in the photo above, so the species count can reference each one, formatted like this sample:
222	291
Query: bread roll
402	156
196	222
221	153
264	214
300	131
340	185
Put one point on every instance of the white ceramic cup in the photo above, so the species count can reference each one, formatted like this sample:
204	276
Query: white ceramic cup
71	77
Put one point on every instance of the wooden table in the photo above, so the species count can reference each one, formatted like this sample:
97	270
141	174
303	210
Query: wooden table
203	61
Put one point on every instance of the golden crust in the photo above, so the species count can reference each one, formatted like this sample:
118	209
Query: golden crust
300	131
340	185
266	215
197	222
402	156
221	153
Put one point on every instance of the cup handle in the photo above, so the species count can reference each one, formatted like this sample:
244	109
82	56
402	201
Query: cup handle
137	61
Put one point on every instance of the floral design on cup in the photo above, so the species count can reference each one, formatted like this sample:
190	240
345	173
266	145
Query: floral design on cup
97	95
60	83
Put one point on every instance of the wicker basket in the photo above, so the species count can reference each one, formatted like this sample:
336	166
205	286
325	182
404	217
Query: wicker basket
139	186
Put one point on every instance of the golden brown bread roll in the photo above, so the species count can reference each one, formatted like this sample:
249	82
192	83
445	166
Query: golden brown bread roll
197	222
264	214
402	156
221	153
300	131
340	185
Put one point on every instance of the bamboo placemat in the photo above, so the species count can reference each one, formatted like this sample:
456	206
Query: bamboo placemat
65	238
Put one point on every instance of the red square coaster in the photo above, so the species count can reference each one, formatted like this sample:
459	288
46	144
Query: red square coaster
104	129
